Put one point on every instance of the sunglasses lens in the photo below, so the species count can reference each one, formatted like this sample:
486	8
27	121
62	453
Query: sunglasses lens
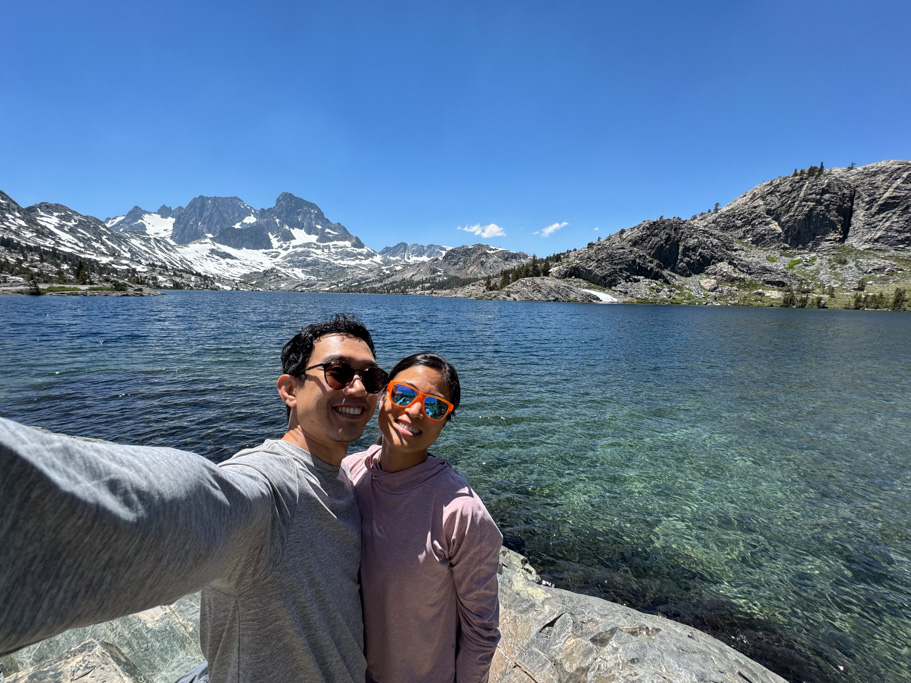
339	376
402	395
373	379
434	409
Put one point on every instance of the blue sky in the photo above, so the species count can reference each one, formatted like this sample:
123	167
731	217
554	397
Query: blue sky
412	121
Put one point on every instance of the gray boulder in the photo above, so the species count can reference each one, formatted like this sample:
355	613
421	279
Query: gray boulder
551	635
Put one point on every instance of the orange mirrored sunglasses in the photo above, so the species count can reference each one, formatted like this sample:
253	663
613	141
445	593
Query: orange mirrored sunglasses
434	407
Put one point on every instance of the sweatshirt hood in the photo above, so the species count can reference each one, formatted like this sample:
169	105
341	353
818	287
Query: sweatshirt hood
403	480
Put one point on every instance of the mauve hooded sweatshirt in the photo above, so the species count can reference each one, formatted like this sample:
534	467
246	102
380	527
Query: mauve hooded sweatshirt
429	560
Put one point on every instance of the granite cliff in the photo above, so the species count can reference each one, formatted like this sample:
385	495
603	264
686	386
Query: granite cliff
812	233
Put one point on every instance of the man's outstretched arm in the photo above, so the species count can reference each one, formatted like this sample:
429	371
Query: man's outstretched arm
92	531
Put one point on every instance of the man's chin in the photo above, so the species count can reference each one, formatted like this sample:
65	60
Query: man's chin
349	433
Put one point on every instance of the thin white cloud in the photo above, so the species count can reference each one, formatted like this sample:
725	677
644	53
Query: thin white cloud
485	231
597	229
551	229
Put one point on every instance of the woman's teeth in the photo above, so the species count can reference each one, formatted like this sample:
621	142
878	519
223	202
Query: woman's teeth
414	431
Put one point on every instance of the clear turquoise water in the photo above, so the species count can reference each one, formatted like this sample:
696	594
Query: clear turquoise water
743	470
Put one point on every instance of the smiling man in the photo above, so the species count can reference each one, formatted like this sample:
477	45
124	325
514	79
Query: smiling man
92	531
301	615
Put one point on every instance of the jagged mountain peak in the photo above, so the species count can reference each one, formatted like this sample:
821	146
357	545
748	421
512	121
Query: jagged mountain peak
289	202
208	216
414	252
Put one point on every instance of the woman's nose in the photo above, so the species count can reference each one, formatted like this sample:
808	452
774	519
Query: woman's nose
415	410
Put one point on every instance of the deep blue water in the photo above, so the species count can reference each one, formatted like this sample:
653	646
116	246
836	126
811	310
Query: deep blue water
747	471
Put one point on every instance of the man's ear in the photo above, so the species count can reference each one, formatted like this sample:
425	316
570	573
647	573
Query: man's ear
287	389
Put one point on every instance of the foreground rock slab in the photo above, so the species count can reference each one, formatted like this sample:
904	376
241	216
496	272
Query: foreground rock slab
549	636
155	646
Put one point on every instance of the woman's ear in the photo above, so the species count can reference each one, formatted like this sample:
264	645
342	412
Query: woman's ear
287	389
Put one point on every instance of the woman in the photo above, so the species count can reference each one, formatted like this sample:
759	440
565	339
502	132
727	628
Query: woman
429	548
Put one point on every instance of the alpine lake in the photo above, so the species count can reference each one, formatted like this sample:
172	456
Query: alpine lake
746	471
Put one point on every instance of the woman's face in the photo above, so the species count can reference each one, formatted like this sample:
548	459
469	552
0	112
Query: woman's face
408	429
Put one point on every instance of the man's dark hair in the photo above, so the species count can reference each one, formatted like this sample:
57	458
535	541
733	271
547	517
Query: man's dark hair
296	353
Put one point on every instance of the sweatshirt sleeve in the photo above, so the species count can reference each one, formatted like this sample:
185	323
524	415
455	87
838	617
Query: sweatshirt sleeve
92	531
475	561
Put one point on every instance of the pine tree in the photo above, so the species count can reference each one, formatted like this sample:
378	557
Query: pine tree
788	299
33	287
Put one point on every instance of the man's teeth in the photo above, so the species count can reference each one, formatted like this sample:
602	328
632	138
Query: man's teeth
350	410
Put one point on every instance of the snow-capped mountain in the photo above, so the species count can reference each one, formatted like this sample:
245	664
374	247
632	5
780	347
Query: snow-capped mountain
157	224
413	253
459	263
291	241
291	245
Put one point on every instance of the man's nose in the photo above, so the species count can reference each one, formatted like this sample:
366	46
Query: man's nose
356	385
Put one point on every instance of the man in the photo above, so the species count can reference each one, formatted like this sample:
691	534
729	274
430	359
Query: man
93	531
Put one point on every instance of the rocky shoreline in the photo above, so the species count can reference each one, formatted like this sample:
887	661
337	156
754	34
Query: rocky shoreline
548	635
14	285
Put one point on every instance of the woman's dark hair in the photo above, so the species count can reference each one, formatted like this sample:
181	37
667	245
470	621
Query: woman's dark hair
437	362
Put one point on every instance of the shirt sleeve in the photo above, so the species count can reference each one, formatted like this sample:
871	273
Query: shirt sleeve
92	531
475	561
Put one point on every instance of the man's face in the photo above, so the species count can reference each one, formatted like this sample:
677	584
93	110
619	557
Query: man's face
329	419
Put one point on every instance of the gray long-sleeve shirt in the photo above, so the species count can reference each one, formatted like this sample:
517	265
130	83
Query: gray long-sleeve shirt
92	531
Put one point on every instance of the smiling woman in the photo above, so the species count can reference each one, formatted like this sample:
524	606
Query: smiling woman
429	548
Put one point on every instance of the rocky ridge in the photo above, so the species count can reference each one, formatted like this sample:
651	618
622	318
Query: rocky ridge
414	252
437	275
822	236
828	235
548	634
538	289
